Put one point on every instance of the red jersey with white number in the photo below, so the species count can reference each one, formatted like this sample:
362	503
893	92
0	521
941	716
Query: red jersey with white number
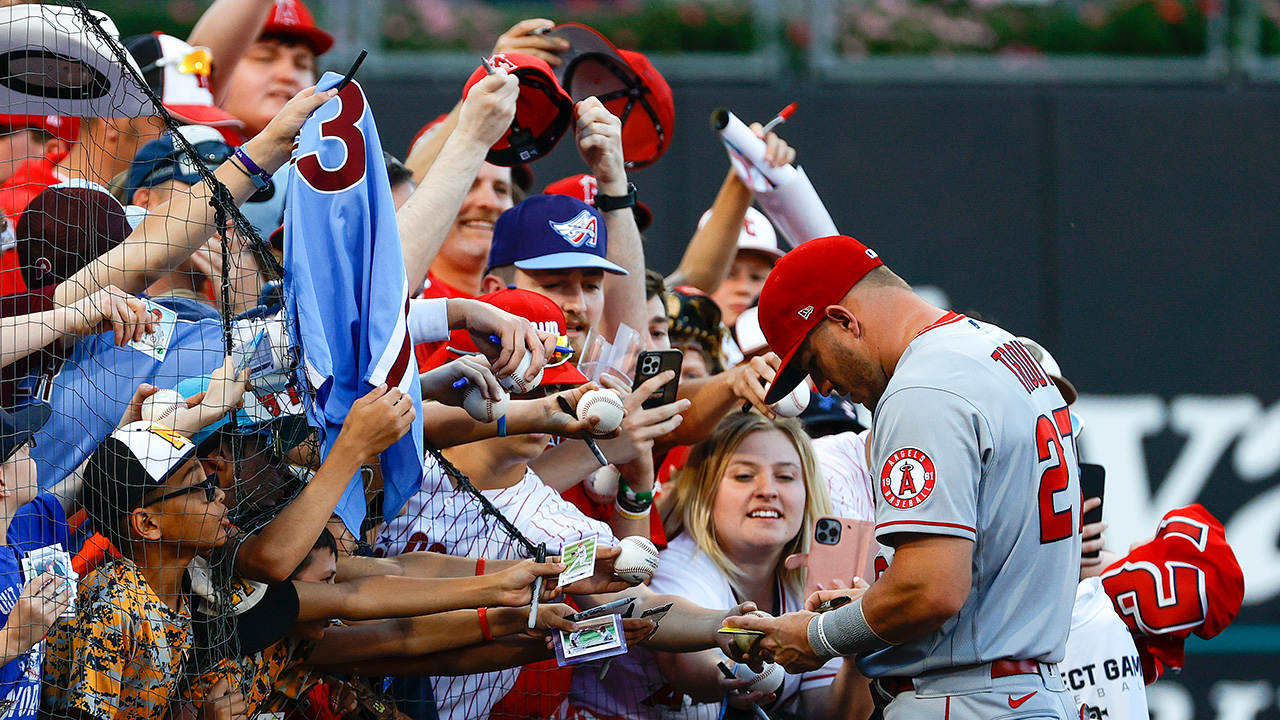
972	440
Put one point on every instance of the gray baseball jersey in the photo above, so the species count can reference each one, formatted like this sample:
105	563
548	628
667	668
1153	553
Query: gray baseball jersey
971	439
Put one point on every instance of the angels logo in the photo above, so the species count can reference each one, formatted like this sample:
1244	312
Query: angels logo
806	312
907	478
579	231
501	61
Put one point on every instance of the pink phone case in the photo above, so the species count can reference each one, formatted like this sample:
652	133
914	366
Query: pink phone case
852	554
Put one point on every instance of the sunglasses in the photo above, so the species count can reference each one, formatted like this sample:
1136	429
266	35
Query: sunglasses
209	485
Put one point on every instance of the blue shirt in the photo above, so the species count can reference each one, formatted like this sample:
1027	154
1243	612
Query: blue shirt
37	524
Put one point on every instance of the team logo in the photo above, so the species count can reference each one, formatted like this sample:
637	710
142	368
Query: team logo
503	62
806	311
872	254
907	478
579	231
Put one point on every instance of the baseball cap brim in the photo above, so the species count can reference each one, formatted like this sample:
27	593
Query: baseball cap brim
789	373
22	425
267	619
582	41
316	40
204	115
568	260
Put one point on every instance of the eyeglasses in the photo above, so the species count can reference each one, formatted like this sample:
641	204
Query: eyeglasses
209	485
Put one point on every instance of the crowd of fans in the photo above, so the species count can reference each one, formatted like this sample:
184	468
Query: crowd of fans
215	578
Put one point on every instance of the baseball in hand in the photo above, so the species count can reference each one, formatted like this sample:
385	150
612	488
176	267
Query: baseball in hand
603	484
161	408
768	680
515	382
483	409
638	560
794	403
606	406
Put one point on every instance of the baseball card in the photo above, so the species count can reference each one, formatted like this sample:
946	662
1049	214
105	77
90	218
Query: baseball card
580	560
55	561
156	344
595	639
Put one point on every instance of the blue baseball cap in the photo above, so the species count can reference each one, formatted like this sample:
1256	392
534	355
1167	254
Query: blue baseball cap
162	159
551	232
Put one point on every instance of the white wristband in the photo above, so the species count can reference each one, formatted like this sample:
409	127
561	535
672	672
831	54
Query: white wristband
428	320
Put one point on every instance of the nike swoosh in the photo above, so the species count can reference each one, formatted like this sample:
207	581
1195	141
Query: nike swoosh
1015	704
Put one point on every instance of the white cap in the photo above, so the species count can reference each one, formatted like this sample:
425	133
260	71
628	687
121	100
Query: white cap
757	233
1051	367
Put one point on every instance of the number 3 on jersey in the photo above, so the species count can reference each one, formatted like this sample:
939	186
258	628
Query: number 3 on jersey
1055	479
345	128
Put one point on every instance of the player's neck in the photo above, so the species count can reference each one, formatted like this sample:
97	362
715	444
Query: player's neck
902	320
81	162
8	511
487	469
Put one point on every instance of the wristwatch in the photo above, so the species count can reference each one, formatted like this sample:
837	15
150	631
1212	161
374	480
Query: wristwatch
605	203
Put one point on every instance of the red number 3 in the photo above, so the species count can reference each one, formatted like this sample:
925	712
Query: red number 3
343	128
1055	525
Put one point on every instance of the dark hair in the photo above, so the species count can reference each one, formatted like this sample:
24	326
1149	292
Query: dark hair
655	286
326	541
397	173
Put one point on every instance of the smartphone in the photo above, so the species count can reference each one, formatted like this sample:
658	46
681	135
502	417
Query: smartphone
842	549
1093	483
655	362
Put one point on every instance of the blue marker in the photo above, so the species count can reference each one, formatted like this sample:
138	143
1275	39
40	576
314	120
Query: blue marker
460	382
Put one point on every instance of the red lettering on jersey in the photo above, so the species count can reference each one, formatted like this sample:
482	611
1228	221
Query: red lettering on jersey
343	127
880	566
1184	527
1014	356
899	475
1158	599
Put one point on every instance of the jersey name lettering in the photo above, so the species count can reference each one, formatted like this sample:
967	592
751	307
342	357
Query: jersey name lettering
1022	365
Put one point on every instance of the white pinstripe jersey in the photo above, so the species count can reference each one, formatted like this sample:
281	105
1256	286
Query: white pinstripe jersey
442	519
843	460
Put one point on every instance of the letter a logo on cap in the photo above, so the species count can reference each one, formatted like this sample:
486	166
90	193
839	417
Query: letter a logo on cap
806	311
578	231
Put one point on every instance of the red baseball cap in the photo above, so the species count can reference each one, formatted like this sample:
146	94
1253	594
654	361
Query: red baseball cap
66	129
537	309
803	283
544	110
292	19
628	85
583	187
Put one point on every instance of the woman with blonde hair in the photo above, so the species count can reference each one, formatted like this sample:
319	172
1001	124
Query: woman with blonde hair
747	499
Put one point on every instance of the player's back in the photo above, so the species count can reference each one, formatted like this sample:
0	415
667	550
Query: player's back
971	439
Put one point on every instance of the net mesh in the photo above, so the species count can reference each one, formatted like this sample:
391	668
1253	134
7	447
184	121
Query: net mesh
92	222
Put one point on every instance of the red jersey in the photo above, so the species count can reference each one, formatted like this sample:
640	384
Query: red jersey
436	288
28	180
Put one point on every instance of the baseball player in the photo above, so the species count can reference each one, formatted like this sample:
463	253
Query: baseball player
978	494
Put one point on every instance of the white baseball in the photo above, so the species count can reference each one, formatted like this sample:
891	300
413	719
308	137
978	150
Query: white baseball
162	407
766	681
794	403
638	560
483	409
515	382
604	483
606	406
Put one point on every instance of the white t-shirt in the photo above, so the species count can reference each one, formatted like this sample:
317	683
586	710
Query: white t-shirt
442	519
1102	668
843	460
635	689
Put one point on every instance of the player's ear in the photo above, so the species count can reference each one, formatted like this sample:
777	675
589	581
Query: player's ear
842	317
492	283
145	524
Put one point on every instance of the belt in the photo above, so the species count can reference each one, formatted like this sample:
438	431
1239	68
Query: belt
892	686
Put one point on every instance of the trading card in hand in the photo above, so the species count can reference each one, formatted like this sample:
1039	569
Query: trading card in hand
579	559
54	561
594	639
156	344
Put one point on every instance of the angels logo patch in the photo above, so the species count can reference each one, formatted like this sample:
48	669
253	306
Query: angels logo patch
578	231
907	478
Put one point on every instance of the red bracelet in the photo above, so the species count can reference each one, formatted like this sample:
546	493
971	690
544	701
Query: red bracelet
485	632
480	567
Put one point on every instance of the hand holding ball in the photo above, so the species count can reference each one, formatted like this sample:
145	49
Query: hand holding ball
794	403
484	409
515	382
161	408
604	405
638	560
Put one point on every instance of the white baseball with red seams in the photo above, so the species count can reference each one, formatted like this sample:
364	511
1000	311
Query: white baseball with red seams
515	382
484	409
794	403
605	405
766	681
638	560
162	407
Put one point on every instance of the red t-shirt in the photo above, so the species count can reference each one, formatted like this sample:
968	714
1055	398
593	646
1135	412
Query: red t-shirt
29	180
436	288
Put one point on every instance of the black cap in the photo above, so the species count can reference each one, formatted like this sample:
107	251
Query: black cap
253	614
132	461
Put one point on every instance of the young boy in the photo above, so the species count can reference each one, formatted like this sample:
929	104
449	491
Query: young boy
27	522
122	655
